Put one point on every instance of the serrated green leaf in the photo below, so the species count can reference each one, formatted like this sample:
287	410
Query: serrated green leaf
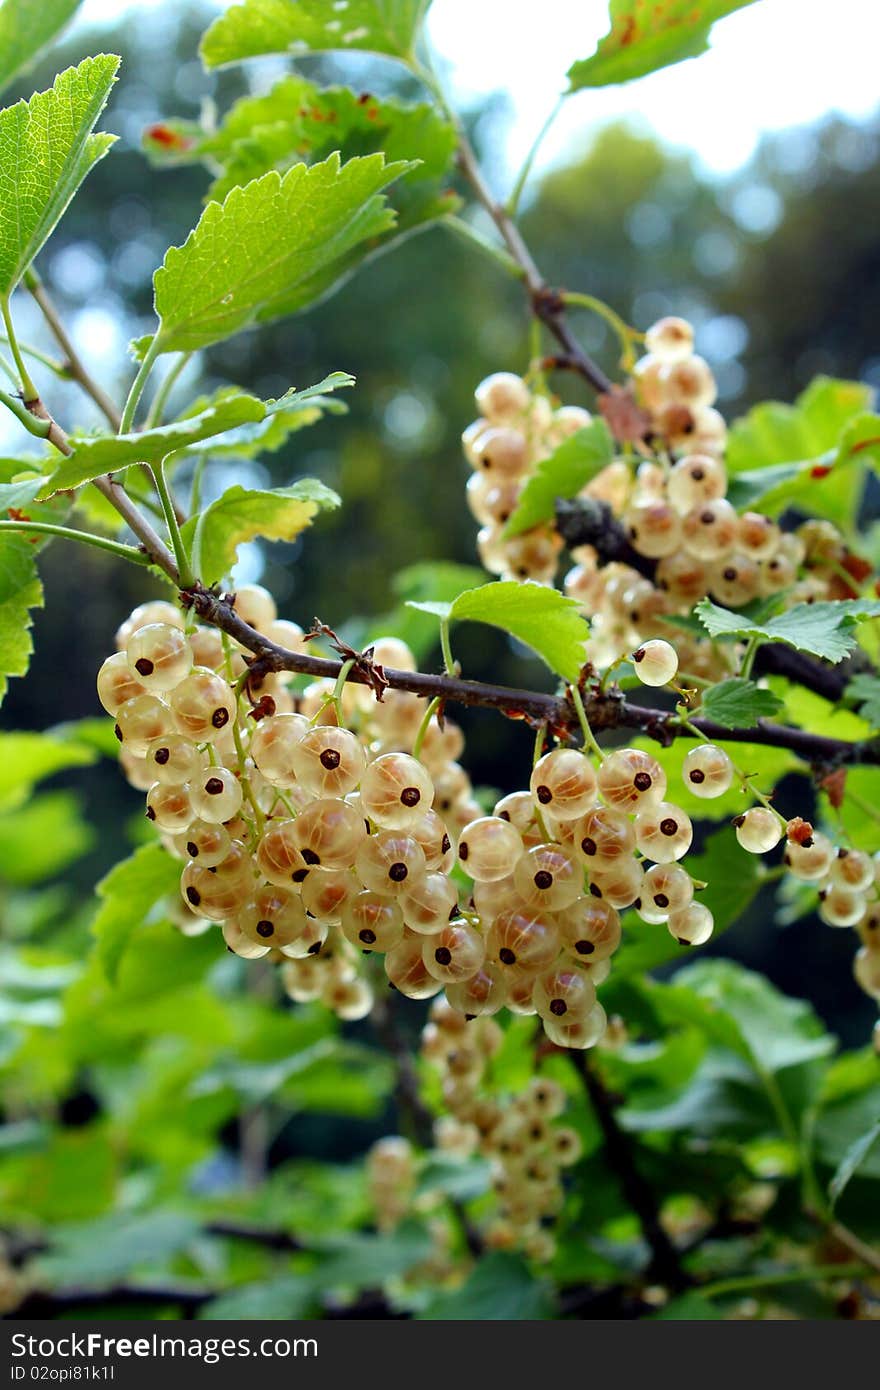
499	1288
563	474
774	433
46	150
821	629
270	248
257	27
20	592
293	411
851	1162
864	691
541	617
26	29
644	37
93	457
738	703
242	514
128	894
829	485
26	759
297	121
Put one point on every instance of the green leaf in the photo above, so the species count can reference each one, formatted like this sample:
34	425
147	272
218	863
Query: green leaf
294	411
41	839
500	1288
91	458
129	893
864	691
256	27
851	1161
284	1297
270	248
97	1252
563	474
46	150
241	514
26	29
739	703
20	493
20	591
822	629
297	121
774	433
26	759
463	1179
362	1261
644	37
829	485
541	617
688	1307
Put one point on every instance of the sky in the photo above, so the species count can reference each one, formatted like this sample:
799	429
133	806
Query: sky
774	64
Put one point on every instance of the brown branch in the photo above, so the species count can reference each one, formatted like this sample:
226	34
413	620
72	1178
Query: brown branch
256	1235
605	710
73	364
665	1262
54	1303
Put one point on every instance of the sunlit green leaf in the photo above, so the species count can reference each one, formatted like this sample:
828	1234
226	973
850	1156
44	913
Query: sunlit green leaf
26	29
255	27
242	514
569	468
822	629
128	894
738	703
644	37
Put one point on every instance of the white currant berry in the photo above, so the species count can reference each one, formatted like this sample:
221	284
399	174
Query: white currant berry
481	995
395	791
523	940
159	655
390	862
549	877
670	339
140	721
455	953
620	885
325	893
406	970
866	968
488	848
692	925
655	662
429	904
564	992
689	382
502	397
350	1000
853	869
328	761
169	806
579	1033
274	916
603	837
255	606
707	771
709	530
203	705
372	922
118	683
695	479
840	906
216	794
653	529
811	860
203	843
155	611
630	779
663	832
272	745
563	783
758	830
589	929
329	832
667	888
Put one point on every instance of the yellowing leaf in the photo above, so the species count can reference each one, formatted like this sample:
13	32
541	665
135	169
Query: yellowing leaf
649	34
243	514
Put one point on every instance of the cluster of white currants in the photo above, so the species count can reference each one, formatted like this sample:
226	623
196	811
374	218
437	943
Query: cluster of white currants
519	1134
847	880
672	505
326	845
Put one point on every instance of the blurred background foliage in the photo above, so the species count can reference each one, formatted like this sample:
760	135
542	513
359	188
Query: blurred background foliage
777	265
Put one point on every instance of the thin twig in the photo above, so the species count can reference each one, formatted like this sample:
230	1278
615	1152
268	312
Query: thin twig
73	364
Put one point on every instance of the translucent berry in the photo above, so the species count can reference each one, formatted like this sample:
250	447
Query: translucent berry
664	832
564	992
274	916
174	758
429	829
564	784
390	862
523	941
240	944
216	794
812	860
159	655
549	877
655	662
329	832
757	535
329	761
406	970
589	929
140	721
203	705
488	848
695	479
866	968
692	925
667	888
372	922
455	953
853	869
619	885
653	529
481	995
580	1032
350	1000
502	397
429	904
169	806
758	830
630	779
503	453
206	645
118	683
735	580
840	906
689	381
707	771
155	611
709	530
278	856
603	837
395	790
670	339
204	844
272	745
325	893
